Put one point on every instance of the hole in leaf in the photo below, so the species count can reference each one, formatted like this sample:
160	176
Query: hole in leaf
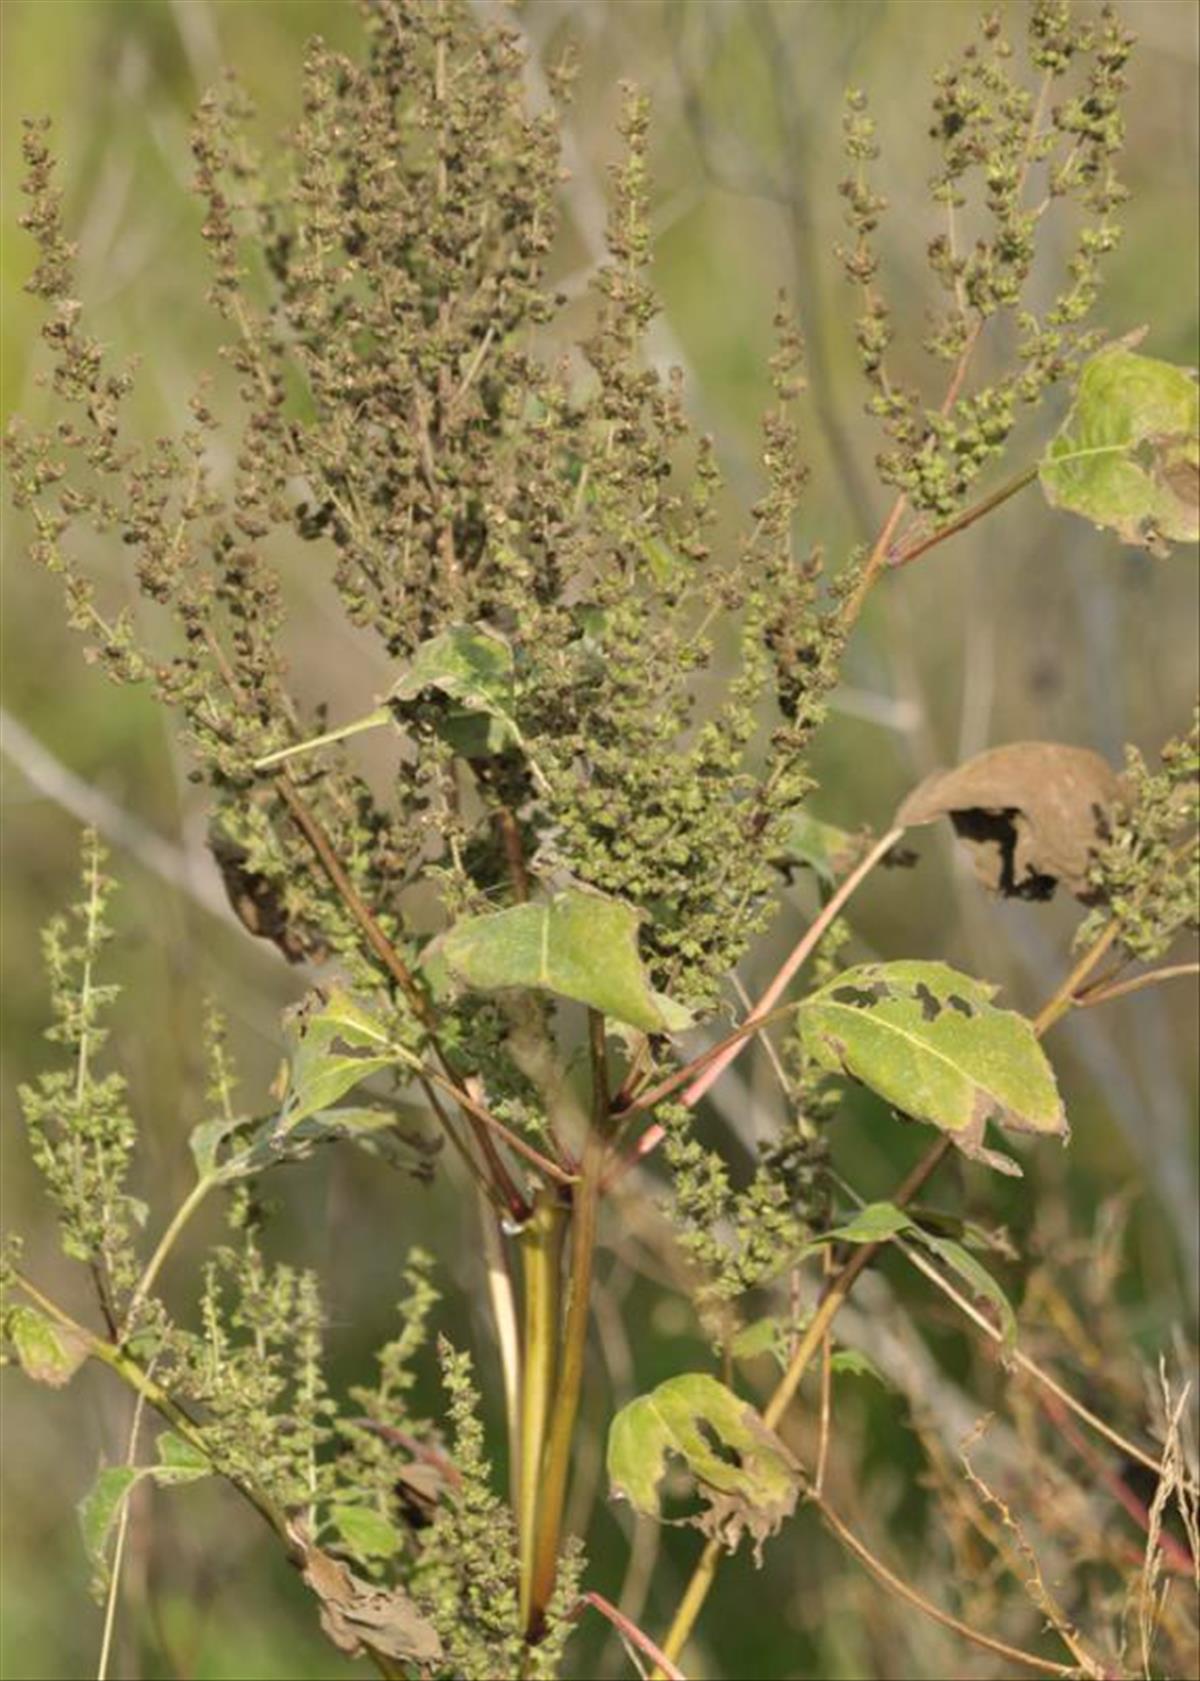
724	1450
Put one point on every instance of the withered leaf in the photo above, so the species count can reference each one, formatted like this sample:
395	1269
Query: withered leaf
1033	814
258	904
359	1617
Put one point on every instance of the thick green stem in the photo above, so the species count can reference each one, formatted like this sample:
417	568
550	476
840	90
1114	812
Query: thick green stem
557	1458
541	1246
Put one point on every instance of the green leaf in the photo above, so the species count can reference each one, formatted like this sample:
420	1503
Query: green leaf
1128	454
930	1041
820	847
662	560
179	1461
101	1506
761	1336
48	1353
577	945
205	1140
336	1048
323	1080
854	1362
875	1223
365	1532
976	1276
747	1477
472	666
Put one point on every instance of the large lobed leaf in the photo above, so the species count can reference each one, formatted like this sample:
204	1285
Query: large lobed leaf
577	945
746	1476
930	1041
1128	454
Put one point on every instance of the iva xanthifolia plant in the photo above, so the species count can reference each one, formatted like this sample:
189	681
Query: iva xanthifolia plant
602	718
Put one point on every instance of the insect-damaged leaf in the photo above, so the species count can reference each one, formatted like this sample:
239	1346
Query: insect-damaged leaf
745	1474
378	1131
578	945
101	1506
48	1353
1033	814
1128	454
930	1041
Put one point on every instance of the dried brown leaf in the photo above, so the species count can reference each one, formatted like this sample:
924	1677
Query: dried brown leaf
1033	814
359	1617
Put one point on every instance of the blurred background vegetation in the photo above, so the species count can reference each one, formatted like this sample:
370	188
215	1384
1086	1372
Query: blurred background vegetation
1030	625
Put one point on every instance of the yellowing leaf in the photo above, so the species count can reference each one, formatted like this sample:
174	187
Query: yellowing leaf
48	1353
931	1042
1128	454
577	945
744	1473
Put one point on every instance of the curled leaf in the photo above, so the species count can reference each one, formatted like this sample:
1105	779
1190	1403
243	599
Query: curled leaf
1033	814
931	1042
359	1617
746	1476
578	945
1128	454
260	904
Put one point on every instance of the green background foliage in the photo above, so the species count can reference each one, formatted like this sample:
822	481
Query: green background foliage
1031	625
